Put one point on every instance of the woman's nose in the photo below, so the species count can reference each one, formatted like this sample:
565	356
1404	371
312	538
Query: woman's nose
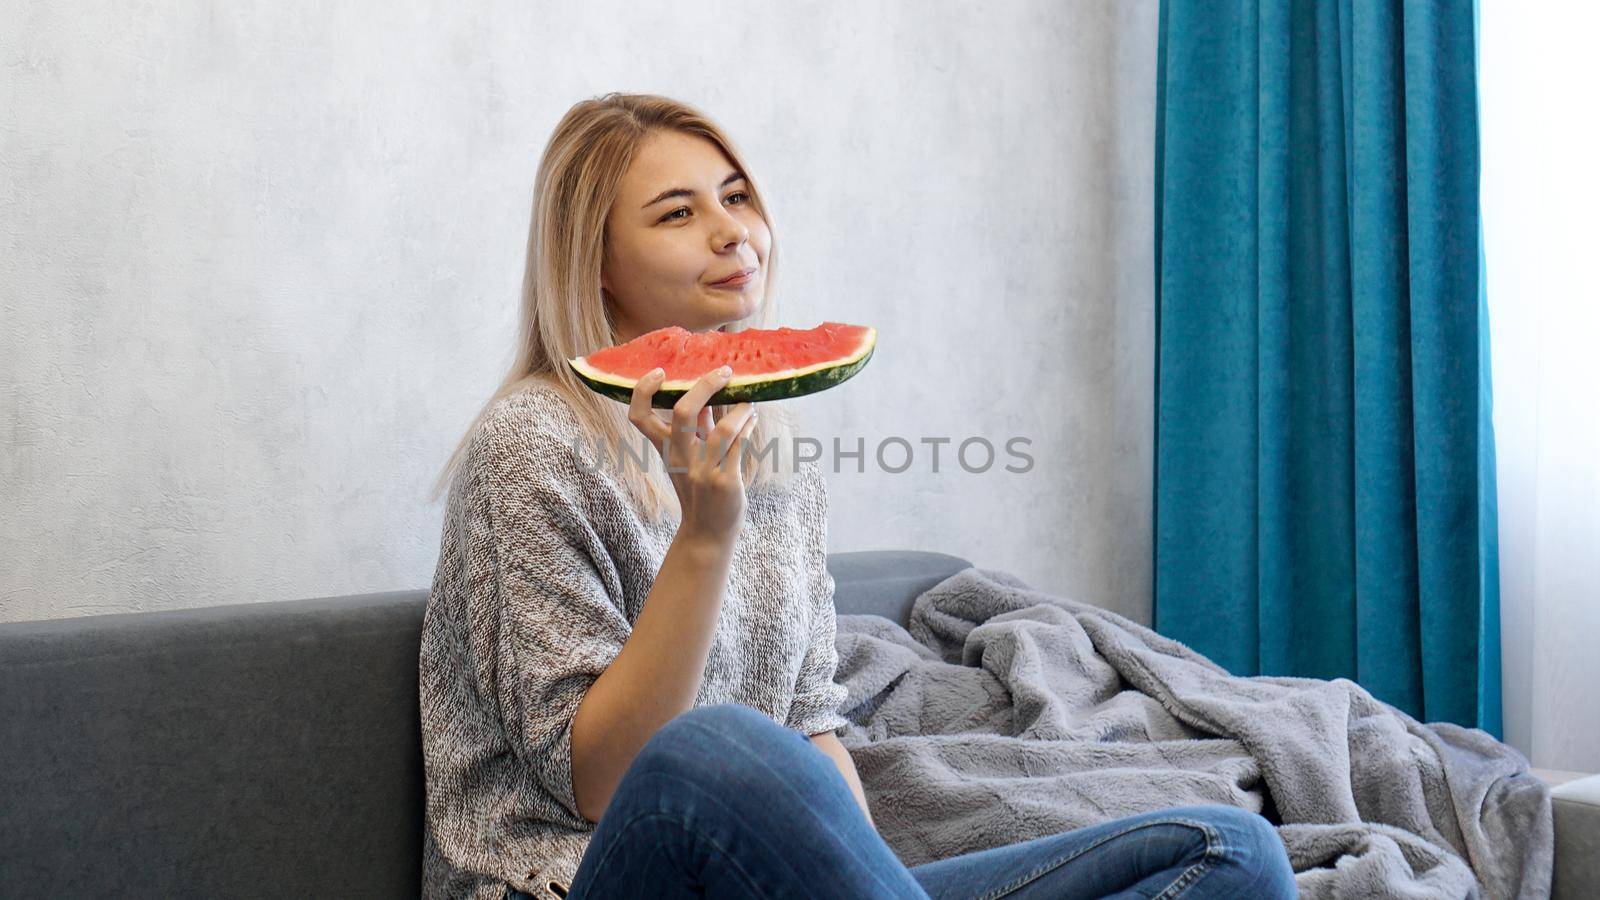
732	233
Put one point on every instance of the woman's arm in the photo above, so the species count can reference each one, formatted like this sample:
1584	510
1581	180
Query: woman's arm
657	673
828	743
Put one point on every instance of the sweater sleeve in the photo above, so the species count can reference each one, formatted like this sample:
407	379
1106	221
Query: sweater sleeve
559	623
817	696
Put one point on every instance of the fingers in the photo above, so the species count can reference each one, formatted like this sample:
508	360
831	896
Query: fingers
690	412
639	408
734	433
724	441
725	437
723	448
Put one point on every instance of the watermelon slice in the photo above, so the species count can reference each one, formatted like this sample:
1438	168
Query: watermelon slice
768	363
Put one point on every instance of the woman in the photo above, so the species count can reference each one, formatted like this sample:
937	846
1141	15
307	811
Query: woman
627	669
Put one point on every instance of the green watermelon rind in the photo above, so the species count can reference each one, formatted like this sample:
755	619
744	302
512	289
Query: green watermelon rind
743	388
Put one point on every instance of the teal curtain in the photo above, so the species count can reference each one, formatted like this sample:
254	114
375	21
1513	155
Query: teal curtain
1324	462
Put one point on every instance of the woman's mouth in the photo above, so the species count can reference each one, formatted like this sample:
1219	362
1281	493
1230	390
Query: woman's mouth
737	279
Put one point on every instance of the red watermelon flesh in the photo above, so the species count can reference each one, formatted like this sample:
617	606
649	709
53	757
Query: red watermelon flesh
687	355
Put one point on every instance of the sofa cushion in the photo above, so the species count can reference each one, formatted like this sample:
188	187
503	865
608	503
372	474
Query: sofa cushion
255	750
252	750
1575	806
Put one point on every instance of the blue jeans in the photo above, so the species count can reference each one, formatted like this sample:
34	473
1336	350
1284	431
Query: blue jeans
724	802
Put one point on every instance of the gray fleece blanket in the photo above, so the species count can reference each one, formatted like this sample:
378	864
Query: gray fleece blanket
1005	714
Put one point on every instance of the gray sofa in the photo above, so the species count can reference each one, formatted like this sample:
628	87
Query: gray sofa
271	749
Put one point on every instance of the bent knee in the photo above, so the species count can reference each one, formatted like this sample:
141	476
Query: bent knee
721	720
1248	844
1243	826
705	735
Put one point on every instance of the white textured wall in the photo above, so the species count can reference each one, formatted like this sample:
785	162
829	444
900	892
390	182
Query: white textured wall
1540	189
259	266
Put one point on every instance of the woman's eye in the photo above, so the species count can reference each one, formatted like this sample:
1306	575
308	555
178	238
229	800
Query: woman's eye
683	209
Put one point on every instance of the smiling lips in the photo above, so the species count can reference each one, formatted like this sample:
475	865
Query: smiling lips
739	277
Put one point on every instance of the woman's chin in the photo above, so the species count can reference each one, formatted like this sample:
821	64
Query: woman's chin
731	306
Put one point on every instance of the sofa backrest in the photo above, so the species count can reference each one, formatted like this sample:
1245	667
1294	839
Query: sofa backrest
252	750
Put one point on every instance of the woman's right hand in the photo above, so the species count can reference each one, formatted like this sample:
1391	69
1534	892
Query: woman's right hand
707	472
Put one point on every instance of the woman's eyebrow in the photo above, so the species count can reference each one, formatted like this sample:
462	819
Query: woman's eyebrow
685	192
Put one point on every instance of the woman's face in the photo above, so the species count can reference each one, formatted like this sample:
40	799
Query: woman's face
663	253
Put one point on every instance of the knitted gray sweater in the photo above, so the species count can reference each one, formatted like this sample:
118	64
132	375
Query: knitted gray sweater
543	567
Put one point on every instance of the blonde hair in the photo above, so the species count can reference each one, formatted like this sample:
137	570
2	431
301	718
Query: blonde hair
563	310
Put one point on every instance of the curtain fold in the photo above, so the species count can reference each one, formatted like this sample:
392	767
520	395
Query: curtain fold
1324	477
